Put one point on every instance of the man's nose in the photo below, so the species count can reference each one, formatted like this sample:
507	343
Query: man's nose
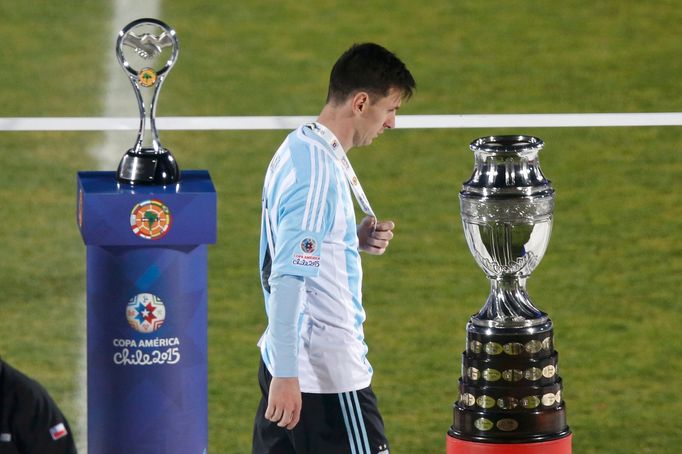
390	121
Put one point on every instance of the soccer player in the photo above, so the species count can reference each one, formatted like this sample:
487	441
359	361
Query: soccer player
30	421
314	374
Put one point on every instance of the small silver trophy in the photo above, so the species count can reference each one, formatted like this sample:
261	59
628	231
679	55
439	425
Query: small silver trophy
147	49
510	390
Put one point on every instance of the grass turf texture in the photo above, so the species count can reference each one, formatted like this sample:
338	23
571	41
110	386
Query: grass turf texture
610	278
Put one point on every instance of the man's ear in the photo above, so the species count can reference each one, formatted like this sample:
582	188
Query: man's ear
359	102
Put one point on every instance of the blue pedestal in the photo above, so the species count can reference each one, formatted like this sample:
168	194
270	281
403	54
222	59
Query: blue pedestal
147	312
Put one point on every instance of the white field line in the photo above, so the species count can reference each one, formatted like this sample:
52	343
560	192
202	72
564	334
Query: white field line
118	100
111	151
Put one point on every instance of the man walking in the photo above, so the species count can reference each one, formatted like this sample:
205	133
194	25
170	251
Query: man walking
314	374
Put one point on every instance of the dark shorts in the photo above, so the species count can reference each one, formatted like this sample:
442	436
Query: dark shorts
343	423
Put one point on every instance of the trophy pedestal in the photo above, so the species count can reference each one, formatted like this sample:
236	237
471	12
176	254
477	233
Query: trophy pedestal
147	312
560	446
510	391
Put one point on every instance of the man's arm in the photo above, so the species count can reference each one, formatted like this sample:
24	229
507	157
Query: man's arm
286	302
304	217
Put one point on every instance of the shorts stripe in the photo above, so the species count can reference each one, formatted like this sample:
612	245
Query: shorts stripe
362	421
349	420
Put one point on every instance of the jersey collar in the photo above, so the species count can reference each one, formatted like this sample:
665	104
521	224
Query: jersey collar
328	138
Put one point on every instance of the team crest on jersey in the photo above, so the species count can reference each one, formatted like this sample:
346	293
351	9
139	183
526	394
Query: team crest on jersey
150	219
308	245
145	313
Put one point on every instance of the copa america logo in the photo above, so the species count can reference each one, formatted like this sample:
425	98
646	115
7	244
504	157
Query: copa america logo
150	219
308	245
145	312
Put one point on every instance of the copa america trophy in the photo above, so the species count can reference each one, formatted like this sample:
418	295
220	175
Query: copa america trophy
510	392
147	49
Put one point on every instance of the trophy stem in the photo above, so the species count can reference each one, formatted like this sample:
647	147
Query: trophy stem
139	142
147	141
509	305
156	145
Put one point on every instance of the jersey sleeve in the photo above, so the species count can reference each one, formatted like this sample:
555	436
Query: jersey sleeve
305	214
39	424
286	303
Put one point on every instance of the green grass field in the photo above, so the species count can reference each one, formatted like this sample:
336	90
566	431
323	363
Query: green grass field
610	279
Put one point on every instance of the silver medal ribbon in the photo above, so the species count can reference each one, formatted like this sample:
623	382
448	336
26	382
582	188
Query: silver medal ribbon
335	148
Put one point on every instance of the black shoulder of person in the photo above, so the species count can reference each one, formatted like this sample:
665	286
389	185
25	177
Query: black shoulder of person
30	421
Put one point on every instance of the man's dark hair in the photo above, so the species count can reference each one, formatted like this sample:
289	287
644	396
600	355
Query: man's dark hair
371	68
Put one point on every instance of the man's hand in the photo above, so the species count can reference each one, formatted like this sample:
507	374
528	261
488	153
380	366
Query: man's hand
284	402
374	236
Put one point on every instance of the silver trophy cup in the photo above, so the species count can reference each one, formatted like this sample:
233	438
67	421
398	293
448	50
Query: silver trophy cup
510	391
147	49
507	207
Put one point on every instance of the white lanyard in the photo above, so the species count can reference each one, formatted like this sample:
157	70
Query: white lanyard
335	148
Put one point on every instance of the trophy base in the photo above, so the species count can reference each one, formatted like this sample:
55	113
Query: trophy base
510	391
148	167
561	445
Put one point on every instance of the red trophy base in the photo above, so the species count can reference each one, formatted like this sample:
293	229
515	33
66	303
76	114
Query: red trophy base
560	446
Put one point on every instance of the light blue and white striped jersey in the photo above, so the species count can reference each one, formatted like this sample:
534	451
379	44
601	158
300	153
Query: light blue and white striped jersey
309	230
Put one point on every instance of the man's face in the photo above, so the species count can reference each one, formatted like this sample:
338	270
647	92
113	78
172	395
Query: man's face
377	115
